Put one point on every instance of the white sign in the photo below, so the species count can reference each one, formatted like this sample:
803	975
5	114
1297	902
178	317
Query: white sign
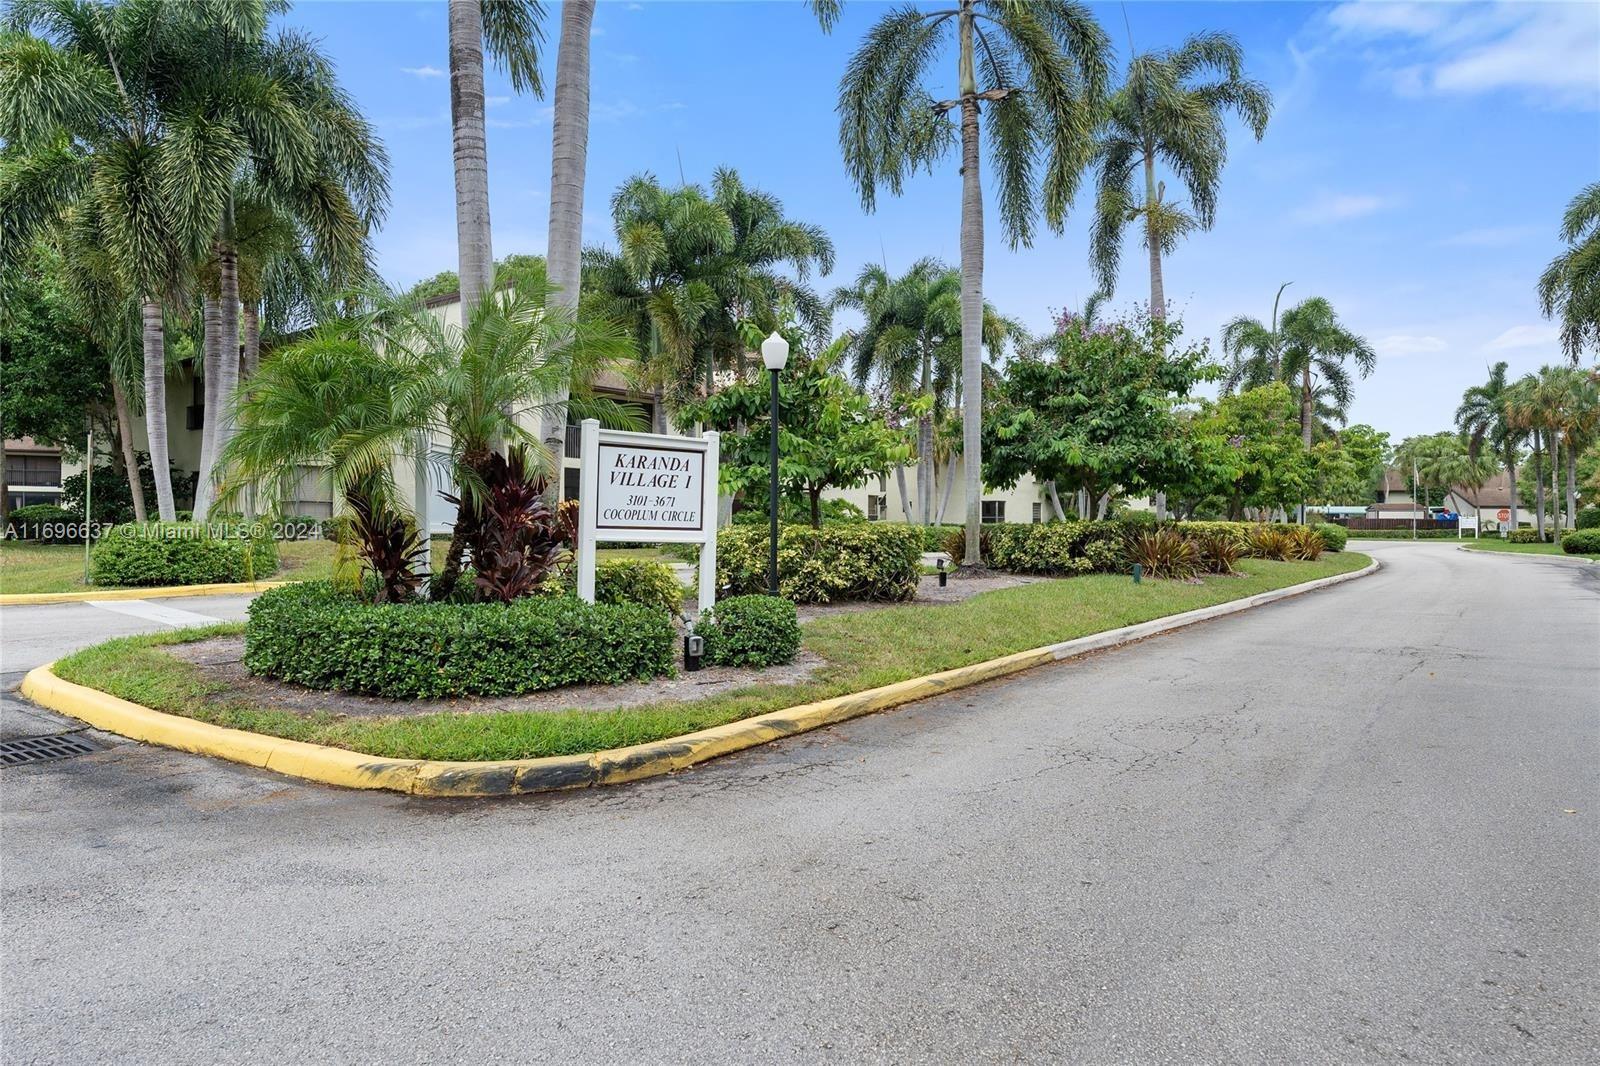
647	487
650	487
1466	522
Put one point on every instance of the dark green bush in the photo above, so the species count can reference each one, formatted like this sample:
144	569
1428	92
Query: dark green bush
934	538
1333	535
845	561
1581	542
313	634
44	522
1588	518
638	581
1523	536
750	631
1047	548
178	553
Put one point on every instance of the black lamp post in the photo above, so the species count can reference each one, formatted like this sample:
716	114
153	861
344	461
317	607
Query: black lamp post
774	353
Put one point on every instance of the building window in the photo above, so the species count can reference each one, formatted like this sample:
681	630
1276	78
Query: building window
877	506
1038	512
994	510
33	470
571	477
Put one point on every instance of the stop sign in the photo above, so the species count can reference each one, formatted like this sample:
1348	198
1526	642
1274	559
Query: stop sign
1503	515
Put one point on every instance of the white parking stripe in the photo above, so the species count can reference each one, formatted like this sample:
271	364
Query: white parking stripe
154	612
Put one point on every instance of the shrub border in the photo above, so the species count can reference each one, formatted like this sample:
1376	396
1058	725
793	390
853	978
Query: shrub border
426	777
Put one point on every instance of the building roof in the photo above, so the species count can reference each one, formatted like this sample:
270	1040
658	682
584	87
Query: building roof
1393	480
1496	492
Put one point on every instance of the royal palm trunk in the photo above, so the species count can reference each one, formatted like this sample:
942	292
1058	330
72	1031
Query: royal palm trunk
130	460
1511	477
228	354
1538	484
568	163
971	293
470	151
210	346
155	406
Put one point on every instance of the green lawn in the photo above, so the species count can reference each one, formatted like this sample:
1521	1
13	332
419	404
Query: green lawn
59	567
863	650
1524	549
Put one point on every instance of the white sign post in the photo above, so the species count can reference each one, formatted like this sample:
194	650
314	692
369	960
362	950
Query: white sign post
647	487
1466	522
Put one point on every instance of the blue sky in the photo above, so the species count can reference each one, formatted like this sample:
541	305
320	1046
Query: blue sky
1414	171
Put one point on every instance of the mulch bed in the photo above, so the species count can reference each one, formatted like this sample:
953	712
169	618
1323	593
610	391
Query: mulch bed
222	660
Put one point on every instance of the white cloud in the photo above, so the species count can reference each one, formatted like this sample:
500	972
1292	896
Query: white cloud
1545	51
496	101
1523	337
1492	236
423	72
1339	207
635	7
1400	344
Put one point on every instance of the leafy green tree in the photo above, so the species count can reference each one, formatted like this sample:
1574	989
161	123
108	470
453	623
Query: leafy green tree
910	343
829	434
1247	453
694	272
1171	108
1346	467
1097	414
1435	463
1308	348
1484	422
1037	74
1569	288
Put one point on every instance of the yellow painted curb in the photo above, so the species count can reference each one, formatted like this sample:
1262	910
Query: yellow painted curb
165	592
421	777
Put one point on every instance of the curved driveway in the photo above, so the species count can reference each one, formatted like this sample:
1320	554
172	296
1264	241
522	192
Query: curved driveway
1356	826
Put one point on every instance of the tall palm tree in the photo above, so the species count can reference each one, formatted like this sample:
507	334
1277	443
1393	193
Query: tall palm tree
1037	72
1530	403
511	31
691	268
1575	416
569	154
1307	349
1172	108
1482	421
910	342
1569	288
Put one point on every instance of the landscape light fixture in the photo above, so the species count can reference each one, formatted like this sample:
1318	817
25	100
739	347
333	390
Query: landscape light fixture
774	353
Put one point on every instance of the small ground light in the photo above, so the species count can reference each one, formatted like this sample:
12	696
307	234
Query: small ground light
694	647
1138	572
944	575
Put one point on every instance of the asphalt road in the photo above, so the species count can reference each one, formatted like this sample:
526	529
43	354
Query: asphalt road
1357	826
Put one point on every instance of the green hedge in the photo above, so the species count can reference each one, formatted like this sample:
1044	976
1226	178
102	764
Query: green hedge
1057	548
1523	536
1402	534
844	561
45	523
643	582
751	631
313	634
182	553
1333	535
1588	518
1581	542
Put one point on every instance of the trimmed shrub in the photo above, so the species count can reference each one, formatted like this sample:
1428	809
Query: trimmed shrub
1523	536
642	582
1333	536
1581	542
1588	518
178	553
45	523
1164	553
750	631
1304	545
846	561
312	634
934	538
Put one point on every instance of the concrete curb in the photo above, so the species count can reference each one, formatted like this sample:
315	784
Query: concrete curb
165	592
1564	560
349	769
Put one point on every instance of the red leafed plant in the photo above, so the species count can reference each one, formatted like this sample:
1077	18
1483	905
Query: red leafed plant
521	540
391	547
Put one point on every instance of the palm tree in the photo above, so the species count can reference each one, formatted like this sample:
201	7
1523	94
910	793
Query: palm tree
1482	420
691	268
1569	288
911	342
1171	108
1529	406
510	30
1037	72
1575	416
1307	349
568	162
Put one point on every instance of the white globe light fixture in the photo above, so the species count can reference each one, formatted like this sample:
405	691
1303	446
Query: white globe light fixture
775	351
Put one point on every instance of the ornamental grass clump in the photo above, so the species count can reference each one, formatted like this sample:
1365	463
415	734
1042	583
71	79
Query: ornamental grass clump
1165	553
1305	545
1219	552
1266	542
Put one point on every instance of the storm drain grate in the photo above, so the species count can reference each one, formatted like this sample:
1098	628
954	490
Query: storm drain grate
37	749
